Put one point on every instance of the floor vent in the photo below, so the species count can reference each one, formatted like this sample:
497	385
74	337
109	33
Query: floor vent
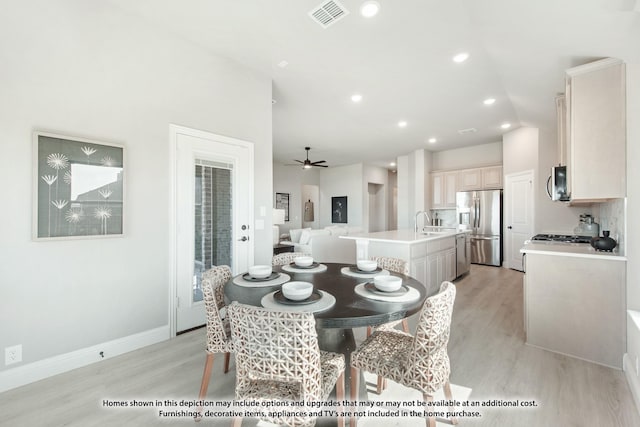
328	13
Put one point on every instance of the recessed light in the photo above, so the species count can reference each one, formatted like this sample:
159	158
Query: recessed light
461	57
505	125
432	140
356	97
402	124
369	9
392	164
282	64
489	101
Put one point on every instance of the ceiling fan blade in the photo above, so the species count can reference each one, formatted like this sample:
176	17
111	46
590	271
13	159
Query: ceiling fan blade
299	161
319	166
319	161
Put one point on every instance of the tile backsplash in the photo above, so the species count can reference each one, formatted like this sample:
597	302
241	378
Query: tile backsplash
448	216
611	216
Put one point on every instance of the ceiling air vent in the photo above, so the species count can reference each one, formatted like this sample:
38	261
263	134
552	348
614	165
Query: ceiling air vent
328	12
466	131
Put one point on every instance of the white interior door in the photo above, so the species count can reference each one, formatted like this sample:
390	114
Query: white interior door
213	214
519	215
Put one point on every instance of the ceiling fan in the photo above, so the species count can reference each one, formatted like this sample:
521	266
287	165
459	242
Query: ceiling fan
307	164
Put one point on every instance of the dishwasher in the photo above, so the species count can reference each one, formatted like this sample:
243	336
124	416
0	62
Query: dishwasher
463	254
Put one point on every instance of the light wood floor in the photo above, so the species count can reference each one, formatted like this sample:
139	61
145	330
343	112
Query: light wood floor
487	354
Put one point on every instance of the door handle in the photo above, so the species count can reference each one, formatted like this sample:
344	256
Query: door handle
509	227
243	239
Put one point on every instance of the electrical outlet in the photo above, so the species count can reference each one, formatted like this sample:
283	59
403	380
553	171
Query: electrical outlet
13	354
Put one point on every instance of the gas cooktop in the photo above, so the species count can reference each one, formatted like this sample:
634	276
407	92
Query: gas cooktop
563	238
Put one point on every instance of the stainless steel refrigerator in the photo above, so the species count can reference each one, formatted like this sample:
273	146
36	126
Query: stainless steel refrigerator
481	212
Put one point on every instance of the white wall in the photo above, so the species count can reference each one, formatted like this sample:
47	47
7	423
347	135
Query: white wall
529	148
291	179
468	157
633	189
392	200
342	181
406	186
380	176
84	69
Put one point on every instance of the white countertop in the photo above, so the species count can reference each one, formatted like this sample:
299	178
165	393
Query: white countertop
570	249
401	236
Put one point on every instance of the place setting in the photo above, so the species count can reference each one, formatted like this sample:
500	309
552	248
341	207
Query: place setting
298	296
364	269
304	264
387	288
260	276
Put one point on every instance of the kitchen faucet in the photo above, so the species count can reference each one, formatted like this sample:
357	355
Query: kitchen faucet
427	219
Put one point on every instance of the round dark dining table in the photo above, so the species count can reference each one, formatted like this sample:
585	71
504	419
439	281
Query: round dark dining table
350	310
335	325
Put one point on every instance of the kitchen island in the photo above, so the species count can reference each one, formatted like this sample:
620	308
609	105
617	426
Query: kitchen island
431	256
574	301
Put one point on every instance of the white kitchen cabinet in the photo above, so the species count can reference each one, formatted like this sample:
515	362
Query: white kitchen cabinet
450	264
576	306
441	261
444	186
492	178
431	260
470	179
437	189
596	130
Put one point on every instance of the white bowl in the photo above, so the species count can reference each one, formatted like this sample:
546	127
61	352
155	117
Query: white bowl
366	264
297	291
387	283
260	271
303	261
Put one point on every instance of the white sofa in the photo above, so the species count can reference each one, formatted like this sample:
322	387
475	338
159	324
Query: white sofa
325	245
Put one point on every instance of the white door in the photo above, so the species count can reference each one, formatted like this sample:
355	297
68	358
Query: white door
213	215
519	218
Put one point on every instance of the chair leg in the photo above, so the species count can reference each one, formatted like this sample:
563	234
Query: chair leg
449	397
355	384
208	364
405	325
369	329
236	422
340	397
227	356
431	421
380	385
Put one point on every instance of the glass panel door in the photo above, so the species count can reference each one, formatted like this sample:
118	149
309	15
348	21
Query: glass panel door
213	219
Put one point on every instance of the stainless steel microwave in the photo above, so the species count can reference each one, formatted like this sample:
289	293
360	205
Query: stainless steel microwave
557	184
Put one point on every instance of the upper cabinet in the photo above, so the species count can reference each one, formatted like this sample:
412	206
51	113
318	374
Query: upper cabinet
492	178
596	132
444	185
443	189
470	179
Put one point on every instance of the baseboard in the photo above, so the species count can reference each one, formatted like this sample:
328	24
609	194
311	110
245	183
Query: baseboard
632	379
46	368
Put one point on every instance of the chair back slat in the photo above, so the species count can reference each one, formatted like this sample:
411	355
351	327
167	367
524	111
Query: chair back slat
275	346
213	281
286	258
396	265
429	359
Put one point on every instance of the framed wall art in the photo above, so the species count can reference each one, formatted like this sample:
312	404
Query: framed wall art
339	209
282	202
78	187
